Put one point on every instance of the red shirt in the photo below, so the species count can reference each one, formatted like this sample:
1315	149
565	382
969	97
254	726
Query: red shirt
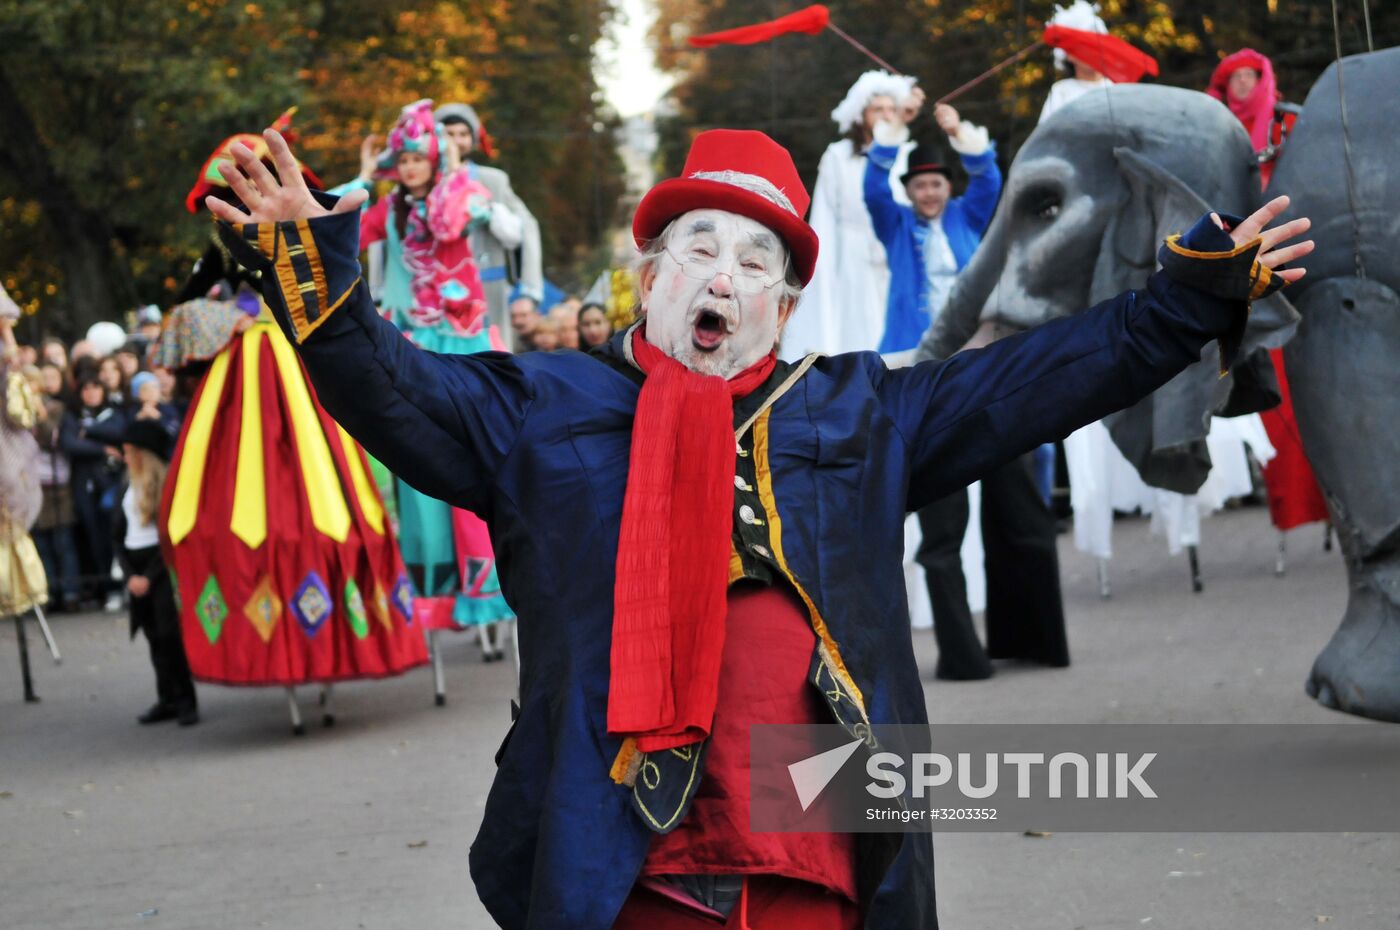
768	648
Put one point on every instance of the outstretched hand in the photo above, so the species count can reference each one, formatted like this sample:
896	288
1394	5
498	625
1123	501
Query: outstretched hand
266	199
1270	256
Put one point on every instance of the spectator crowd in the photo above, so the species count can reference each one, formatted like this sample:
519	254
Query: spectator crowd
93	382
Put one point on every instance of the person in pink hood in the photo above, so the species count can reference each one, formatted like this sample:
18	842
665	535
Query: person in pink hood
1244	82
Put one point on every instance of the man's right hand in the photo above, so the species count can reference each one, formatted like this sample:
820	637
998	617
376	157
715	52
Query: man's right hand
265	198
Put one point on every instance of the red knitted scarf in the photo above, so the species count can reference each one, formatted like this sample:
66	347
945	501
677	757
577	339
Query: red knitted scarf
673	551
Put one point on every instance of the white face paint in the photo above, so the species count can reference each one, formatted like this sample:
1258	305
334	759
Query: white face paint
695	313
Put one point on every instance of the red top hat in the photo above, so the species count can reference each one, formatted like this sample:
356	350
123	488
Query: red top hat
738	171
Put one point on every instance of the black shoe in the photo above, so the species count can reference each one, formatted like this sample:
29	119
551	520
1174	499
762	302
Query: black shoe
975	669
188	717
159	713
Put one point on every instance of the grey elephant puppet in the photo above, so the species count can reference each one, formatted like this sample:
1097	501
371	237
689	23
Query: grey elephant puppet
1344	363
1097	187
1088	201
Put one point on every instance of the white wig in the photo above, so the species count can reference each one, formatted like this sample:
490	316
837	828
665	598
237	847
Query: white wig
870	84
1080	15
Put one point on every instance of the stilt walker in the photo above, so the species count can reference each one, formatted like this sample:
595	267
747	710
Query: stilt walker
433	293
284	561
24	587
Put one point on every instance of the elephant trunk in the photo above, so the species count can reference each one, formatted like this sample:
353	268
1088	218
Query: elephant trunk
1346	391
962	314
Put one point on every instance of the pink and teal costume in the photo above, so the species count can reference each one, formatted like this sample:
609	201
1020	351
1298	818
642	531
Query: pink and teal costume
432	292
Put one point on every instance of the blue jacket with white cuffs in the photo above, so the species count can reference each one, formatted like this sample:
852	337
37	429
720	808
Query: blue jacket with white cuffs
833	453
964	218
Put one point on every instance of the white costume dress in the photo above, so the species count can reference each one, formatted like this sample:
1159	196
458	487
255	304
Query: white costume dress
1068	90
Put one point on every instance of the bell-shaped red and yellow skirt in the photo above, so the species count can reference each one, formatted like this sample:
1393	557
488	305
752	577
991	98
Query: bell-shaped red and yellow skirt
283	560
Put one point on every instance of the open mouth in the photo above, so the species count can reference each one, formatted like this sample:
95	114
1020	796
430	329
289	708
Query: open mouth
709	330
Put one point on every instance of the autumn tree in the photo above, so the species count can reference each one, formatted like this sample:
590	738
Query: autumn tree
108	110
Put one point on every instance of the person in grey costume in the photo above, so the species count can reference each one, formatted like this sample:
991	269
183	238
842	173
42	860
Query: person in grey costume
512	224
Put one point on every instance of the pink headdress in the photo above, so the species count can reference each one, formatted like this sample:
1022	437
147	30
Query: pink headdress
415	131
1256	111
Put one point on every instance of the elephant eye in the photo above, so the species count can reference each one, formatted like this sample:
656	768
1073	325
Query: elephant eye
1043	203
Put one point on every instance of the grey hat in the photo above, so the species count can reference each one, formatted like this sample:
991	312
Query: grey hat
459	111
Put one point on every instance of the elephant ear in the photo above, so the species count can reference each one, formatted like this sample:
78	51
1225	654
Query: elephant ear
1164	434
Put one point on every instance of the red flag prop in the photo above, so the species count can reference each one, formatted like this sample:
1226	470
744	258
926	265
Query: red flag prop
1109	55
809	21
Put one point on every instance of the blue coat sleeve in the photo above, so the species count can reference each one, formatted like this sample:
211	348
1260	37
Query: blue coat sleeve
879	199
971	413
979	201
443	423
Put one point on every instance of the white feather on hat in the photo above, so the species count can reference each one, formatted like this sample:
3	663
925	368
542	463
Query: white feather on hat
870	84
1080	15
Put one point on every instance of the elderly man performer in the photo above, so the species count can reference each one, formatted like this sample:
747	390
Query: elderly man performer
698	537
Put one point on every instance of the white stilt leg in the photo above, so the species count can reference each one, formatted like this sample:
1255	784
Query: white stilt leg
488	641
1105	590
515	649
297	728
1281	560
439	682
48	635
327	708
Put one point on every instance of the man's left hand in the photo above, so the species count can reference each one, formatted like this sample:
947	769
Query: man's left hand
947	119
1270	255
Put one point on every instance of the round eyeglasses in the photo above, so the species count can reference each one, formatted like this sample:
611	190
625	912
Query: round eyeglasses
745	280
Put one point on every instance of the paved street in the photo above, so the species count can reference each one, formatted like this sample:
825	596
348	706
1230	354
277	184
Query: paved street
236	824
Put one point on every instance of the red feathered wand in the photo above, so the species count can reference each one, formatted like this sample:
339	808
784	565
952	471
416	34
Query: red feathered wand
808	21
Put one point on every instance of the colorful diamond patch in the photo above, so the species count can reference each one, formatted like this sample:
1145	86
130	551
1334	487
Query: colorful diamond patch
355	610
263	609
381	607
312	604
403	598
211	609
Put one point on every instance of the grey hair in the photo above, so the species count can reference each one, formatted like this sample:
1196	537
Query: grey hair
652	250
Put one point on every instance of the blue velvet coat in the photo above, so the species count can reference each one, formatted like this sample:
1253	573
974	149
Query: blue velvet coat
538	445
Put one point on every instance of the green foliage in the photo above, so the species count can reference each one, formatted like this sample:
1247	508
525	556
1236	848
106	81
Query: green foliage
129	97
